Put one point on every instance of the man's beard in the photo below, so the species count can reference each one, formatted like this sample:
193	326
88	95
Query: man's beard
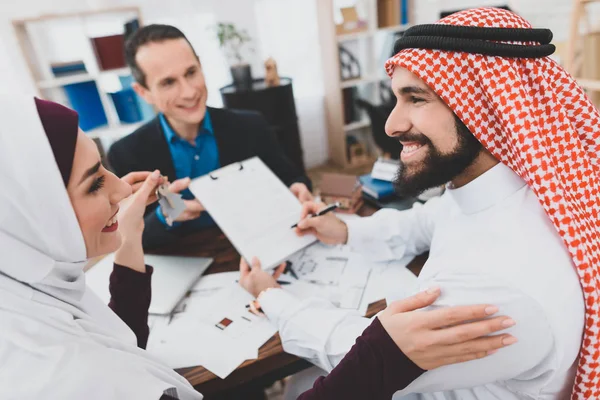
438	169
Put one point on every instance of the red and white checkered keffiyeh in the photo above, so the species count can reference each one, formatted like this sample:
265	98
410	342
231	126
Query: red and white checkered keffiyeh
533	117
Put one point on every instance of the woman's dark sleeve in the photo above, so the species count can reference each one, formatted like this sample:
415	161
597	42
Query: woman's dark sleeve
130	295
375	368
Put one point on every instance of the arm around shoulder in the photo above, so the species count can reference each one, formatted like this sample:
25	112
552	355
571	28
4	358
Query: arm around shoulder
531	358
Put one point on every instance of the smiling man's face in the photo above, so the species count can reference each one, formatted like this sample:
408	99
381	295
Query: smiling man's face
437	146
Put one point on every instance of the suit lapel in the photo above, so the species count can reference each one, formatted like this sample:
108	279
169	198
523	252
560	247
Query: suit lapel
224	136
159	149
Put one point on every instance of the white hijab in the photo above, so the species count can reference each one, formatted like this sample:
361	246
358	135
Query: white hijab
57	339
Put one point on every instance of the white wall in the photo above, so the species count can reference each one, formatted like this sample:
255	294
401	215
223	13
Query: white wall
284	29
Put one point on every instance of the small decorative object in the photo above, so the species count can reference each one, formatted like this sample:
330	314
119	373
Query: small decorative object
271	75
234	41
351	22
356	151
343	189
349	65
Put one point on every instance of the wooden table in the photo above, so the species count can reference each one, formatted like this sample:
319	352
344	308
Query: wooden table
272	362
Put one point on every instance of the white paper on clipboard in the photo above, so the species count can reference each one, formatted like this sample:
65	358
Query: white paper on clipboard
254	209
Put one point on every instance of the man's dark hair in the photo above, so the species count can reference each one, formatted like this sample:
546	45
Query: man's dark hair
149	34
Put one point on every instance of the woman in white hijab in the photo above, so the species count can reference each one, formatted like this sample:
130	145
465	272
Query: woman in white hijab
59	207
57	339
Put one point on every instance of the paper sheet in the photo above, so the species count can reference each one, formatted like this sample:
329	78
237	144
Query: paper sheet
389	280
254	209
348	279
196	335
186	342
335	273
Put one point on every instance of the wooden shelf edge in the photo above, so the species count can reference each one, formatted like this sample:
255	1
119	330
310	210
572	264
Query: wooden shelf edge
589	84
46	17
363	123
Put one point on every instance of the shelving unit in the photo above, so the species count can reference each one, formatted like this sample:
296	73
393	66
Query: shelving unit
371	47
56	38
77	78
574	60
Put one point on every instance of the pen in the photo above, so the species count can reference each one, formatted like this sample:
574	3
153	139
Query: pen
324	211
278	281
288	268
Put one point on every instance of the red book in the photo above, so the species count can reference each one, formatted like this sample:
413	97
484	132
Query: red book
109	51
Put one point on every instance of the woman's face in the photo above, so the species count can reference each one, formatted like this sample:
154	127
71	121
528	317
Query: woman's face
95	194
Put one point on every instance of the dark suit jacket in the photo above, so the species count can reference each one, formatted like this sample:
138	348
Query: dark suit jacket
239	135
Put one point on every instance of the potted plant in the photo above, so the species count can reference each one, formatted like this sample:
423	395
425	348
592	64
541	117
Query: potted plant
233	41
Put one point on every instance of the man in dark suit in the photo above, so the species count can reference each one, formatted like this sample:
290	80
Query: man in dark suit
188	139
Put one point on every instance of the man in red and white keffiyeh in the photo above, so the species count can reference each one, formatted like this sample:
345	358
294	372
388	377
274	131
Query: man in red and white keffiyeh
530	115
482	108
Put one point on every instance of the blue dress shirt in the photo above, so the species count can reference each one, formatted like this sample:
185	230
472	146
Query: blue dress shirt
192	161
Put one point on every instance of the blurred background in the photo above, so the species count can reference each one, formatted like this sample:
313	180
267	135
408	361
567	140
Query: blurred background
329	53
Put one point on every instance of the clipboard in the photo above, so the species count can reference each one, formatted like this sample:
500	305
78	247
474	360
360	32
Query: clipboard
254	209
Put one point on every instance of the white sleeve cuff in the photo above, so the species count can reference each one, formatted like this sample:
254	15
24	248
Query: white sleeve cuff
275	302
364	238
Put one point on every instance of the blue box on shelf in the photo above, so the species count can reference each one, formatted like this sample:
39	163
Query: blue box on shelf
68	68
85	99
126	106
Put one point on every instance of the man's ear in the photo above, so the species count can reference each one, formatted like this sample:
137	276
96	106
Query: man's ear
143	92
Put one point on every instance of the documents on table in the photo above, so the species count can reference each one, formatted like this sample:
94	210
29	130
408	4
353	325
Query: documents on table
254	209
212	329
390	281
346	278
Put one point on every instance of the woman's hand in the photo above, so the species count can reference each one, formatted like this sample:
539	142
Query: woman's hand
137	179
255	280
433	338
131	223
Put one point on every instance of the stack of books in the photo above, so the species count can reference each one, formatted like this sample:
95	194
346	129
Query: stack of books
376	188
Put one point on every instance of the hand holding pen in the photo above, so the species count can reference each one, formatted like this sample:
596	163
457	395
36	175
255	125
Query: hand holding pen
322	212
317	219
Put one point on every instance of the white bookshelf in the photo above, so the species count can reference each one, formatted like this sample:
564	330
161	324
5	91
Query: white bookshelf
369	47
78	78
48	39
369	33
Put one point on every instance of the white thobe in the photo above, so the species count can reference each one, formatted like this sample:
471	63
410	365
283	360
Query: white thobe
489	242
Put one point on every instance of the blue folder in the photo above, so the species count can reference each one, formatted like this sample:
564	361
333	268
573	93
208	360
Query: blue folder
126	106
85	99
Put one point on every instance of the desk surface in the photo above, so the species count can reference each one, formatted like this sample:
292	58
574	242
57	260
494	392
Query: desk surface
272	362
